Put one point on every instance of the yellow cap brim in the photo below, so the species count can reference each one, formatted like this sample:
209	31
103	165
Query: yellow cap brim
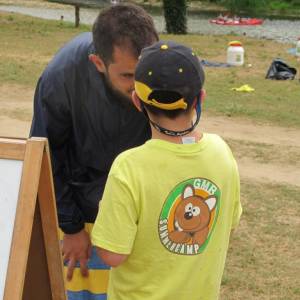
143	92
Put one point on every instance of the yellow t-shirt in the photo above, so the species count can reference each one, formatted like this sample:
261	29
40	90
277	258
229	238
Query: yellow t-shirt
171	207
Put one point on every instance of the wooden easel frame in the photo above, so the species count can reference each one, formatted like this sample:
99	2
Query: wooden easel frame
35	258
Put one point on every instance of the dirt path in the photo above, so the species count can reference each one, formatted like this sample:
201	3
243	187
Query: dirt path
16	112
243	130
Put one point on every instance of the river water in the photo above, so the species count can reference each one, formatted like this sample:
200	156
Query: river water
286	31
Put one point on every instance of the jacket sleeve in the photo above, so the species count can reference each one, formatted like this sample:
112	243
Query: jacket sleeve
52	119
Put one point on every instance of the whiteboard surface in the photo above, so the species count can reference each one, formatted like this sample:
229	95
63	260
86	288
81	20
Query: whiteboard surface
10	179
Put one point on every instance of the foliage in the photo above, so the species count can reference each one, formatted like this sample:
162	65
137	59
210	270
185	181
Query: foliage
236	6
279	5
175	16
254	6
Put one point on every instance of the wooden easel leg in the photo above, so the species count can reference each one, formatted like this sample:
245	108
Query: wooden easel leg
37	281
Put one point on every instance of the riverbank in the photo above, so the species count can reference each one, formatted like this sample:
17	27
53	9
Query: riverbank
277	11
193	6
198	23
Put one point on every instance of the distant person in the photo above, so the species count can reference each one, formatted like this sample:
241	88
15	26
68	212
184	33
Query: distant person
82	104
169	205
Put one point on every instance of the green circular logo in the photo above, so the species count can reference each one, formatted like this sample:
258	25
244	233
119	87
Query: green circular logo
189	215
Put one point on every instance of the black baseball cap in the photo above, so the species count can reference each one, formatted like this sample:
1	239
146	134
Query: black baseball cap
170	67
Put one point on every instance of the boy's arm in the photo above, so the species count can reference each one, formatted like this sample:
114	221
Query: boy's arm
115	227
110	258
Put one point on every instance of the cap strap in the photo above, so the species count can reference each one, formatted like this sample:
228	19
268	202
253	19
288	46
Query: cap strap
177	133
143	91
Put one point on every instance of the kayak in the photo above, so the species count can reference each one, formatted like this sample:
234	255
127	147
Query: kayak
237	21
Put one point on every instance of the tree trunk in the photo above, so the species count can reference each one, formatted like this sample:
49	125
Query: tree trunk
175	16
77	16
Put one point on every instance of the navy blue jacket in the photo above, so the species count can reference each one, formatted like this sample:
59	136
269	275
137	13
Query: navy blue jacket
86	128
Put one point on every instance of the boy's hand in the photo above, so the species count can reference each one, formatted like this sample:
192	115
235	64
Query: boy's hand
77	247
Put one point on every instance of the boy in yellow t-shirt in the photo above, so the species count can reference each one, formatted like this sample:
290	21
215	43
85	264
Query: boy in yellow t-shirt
169	205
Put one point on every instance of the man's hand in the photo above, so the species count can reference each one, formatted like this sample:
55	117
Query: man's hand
77	247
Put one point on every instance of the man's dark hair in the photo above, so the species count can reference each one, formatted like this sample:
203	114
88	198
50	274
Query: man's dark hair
123	25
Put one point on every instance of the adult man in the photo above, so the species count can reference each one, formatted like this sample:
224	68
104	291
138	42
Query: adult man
175	198
82	104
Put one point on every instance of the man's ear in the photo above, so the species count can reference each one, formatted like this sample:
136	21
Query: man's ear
136	101
98	62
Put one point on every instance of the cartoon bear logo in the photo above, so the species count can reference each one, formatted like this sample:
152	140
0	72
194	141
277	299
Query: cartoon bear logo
192	217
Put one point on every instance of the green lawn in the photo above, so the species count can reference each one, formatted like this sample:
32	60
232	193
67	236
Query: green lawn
29	43
275	102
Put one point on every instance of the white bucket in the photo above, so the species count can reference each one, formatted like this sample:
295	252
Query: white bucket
235	54
298	48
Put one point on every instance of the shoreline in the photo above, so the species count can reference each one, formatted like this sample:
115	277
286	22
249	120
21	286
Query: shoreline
193	8
196	7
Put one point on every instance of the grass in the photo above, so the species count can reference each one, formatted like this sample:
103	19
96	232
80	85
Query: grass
265	153
29	43
275	102
263	261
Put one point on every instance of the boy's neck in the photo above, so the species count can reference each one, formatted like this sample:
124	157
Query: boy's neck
176	139
175	125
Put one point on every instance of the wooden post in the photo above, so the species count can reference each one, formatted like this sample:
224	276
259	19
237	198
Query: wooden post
77	16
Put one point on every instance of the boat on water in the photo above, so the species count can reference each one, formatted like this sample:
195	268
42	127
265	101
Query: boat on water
237	21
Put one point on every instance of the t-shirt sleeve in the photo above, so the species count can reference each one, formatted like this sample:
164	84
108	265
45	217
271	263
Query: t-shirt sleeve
116	224
237	208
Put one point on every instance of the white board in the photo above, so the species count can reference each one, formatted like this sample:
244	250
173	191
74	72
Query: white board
10	179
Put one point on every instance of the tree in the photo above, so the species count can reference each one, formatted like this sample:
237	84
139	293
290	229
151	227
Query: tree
237	6
175	16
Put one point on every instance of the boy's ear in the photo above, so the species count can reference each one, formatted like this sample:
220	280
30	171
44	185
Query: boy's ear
98	62
202	98
136	101
202	95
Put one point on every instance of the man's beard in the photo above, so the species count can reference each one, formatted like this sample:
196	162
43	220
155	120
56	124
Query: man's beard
117	95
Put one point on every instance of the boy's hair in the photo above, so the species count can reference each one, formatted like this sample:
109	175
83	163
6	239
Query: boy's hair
168	78
123	25
166	97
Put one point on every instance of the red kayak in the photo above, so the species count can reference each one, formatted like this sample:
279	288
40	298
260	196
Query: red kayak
237	21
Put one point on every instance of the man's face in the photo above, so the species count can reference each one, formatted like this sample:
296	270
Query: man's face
119	74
